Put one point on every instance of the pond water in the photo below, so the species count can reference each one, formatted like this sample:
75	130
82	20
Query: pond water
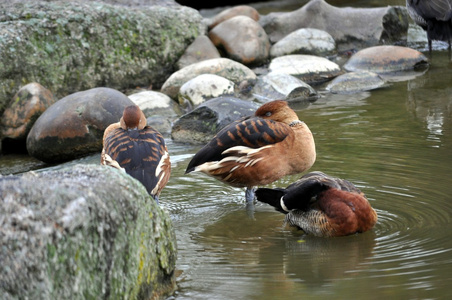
394	143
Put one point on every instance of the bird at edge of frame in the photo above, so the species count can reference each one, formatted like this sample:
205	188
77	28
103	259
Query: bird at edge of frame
138	149
322	205
258	150
435	17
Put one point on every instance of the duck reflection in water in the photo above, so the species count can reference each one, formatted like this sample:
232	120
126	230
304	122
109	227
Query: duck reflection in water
258	150
139	150
322	205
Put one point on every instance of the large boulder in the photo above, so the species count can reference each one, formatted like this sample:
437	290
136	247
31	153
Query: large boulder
68	46
351	28
85	232
74	126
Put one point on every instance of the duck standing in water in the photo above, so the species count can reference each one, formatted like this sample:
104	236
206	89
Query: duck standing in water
137	149
258	150
322	205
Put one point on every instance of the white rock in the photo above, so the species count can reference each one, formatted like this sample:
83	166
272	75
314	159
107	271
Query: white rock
204	87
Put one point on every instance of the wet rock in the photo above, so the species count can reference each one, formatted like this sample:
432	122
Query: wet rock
274	86
242	39
84	232
376	25
240	10
305	41
311	69
201	124
417	37
201	49
68	46
74	126
204	87
23	110
227	68
385	59
355	82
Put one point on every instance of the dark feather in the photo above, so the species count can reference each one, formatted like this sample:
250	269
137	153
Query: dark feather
272	197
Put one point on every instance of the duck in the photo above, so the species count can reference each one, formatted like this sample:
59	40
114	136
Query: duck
139	150
322	205
257	150
434	16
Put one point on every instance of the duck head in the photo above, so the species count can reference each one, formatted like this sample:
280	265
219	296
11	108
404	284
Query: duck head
278	111
132	118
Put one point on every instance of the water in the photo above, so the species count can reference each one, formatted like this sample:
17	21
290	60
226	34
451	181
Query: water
394	143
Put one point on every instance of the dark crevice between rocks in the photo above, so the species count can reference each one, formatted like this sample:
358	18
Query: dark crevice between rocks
13	146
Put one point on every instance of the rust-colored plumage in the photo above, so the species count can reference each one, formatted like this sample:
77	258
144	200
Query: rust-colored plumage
137	149
322	205
259	149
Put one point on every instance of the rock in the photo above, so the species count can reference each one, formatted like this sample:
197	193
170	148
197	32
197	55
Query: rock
227	68
305	41
355	82
417	37
385	59
23	110
159	109
74	126
84	232
201	49
204	87
240	10
381	25
201	124
69	46
274	86
242	39
311	69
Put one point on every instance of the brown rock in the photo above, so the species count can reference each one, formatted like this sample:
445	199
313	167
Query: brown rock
240	10
201	49
243	40
73	127
23	110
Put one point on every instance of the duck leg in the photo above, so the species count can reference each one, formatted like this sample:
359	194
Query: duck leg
249	194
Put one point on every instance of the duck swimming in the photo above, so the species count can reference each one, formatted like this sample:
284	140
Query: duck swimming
258	150
137	149
322	205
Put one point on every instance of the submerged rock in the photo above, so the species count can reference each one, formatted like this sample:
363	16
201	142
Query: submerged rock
85	232
74	126
201	124
355	82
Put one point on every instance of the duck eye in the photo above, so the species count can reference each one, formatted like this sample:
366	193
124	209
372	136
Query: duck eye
268	113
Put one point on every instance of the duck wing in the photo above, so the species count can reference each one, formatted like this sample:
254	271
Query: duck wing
142	154
252	132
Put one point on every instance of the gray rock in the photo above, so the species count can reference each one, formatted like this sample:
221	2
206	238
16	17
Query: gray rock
242	39
201	124
381	25
305	41
203	88
201	49
70	47
355	82
224	67
85	232
154	103
23	110
74	126
311	69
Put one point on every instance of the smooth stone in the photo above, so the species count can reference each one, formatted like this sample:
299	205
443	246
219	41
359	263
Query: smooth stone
201	124
24	109
242	39
355	82
83	232
275	86
201	49
224	67
305	41
240	10
74	126
154	103
386	59
204	87
311	69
